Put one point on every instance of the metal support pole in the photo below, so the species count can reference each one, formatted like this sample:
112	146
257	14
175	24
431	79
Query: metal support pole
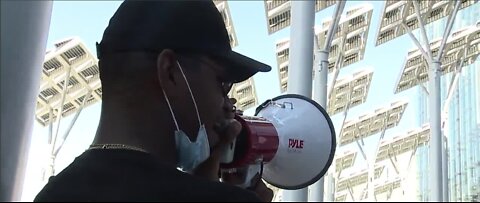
414	39
301	48
361	150
320	96
333	26
301	63
394	163
60	112
445	168
436	145
371	163
321	90
424	88
437	174
350	190
345	113
330	196
321	79
65	135
450	21
438	151
50	126
452	88
422	29
24	33
338	64
51	166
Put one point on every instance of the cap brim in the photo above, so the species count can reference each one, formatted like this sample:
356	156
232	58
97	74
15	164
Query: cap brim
240	67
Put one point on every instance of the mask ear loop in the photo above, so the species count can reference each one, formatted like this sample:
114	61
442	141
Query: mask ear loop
191	94
171	110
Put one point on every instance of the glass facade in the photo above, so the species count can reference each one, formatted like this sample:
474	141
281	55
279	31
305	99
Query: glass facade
463	125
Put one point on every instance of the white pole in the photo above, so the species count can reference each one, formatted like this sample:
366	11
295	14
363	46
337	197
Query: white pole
445	169
321	92
60	112
24	32
301	48
422	28
320	96
330	187
321	79
436	145
438	151
300	67
50	126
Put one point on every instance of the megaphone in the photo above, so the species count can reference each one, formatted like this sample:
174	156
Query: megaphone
290	141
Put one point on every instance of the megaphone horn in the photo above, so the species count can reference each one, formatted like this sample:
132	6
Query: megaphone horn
292	136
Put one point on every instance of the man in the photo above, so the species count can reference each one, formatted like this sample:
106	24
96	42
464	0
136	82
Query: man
166	68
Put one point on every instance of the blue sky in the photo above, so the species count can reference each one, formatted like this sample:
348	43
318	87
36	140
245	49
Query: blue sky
88	19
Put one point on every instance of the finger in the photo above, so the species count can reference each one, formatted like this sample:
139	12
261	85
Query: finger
254	182
264	192
227	137
208	169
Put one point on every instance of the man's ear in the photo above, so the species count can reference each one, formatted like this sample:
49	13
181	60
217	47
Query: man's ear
166	66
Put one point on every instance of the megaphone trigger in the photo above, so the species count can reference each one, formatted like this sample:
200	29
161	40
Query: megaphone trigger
246	177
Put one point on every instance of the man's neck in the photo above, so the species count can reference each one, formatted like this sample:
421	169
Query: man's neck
137	130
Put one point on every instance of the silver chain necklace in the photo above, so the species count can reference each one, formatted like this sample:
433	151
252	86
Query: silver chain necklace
116	146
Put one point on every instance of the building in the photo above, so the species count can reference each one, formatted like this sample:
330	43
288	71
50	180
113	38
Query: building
244	93
222	6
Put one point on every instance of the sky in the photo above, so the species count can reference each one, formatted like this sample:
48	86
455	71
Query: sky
88	19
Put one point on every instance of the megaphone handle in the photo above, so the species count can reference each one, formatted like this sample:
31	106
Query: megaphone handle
253	170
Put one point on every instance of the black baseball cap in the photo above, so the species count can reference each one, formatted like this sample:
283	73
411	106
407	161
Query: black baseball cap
183	26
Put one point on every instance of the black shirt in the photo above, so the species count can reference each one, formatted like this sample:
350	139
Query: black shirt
127	175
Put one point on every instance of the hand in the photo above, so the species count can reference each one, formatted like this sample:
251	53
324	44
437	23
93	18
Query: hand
241	177
260	188
210	168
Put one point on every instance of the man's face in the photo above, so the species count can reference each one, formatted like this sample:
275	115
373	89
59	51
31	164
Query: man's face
209	88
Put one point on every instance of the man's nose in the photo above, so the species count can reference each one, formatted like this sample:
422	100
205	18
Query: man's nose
233	101
230	104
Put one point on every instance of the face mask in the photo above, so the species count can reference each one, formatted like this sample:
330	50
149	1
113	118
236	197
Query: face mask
189	153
